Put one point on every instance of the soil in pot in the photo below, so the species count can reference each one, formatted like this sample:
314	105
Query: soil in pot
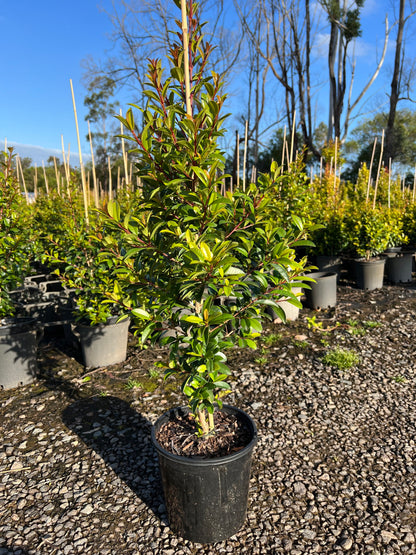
206	490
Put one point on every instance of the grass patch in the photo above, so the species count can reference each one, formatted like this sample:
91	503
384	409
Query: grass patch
343	359
272	339
371	324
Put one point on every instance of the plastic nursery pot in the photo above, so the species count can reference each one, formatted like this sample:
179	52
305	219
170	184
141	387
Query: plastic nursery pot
329	264
399	267
19	339
206	498
369	274
291	311
103	344
322	293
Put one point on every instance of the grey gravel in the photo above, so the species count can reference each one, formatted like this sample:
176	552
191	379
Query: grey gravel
334	470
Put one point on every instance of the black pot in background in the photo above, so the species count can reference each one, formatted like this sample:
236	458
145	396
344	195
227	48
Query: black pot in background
323	293
369	274
399	267
19	339
206	499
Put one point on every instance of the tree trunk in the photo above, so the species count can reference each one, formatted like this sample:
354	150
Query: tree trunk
390	150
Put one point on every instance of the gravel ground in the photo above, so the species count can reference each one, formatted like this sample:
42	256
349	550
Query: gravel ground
334	470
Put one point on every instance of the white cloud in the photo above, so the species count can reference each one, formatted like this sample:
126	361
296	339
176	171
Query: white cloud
39	154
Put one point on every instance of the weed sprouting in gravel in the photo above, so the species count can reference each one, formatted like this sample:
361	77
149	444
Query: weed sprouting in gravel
371	324
272	339
399	379
355	328
133	384
343	359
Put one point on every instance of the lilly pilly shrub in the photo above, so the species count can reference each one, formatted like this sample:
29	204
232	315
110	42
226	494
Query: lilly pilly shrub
196	269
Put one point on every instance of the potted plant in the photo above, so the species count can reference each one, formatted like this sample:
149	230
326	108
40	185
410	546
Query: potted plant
183	249
369	231
399	262
98	324
18	336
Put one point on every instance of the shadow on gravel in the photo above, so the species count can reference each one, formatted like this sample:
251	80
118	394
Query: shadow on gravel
122	438
12	551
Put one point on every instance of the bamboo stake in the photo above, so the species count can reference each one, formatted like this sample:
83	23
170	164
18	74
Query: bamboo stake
131	176
237	147
389	185
186	57
320	171
118	179
35	182
335	166
64	162
371	169
253	174
123	148
292	140
19	166
414	185
287	156
46	179
378	169
283	149
245	156
84	185
94	175
110	184
58	180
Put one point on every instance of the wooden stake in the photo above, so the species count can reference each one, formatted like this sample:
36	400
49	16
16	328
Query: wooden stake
110	184
292	140
64	162
414	185
283	149
46	179
335	166
245	156
237	148
94	175
320	171
388	191
84	184
371	169
186	58
378	169
123	148
19	166
35	182
57	176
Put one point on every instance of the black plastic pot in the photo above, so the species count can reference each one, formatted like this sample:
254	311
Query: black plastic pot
206	499
369	273
19	339
323	293
399	267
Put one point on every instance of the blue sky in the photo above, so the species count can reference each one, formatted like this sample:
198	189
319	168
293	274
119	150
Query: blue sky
43	43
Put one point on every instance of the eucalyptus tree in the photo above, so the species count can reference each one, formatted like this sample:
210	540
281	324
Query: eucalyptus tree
345	26
402	79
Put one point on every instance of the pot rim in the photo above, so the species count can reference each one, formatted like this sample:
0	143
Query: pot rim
205	461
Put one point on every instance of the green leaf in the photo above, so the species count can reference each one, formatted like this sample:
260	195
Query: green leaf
141	313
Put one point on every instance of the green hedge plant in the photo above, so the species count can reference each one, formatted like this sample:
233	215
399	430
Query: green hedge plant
196	269
14	238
